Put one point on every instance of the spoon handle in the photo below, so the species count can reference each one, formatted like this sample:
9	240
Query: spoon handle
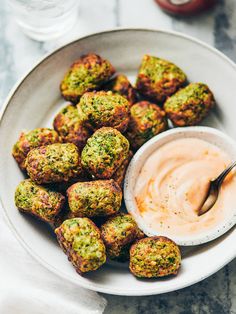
222	176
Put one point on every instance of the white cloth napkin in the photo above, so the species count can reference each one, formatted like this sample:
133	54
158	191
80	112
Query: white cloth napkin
26	287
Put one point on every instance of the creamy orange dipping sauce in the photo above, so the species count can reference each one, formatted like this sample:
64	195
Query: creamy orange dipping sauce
172	184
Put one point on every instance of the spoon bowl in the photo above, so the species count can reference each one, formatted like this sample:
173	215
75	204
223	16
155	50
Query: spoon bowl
213	190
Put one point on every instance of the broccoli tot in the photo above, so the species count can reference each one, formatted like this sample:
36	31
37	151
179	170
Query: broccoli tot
32	139
154	257
99	109
54	163
190	105
94	198
146	121
38	201
118	233
86	74
104	153
81	241
158	78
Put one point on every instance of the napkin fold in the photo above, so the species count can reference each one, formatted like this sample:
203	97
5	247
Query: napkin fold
26	287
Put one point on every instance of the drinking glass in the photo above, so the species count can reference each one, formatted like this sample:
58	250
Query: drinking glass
44	19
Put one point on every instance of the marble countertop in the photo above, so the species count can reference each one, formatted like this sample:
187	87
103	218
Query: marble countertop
18	53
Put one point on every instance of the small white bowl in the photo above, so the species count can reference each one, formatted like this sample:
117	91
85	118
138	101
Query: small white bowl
208	134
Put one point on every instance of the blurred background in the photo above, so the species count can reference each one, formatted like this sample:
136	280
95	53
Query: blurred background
217	27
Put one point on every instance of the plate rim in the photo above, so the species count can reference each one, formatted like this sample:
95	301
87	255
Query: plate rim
96	287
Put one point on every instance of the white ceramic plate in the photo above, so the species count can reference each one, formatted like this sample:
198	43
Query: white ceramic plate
35	100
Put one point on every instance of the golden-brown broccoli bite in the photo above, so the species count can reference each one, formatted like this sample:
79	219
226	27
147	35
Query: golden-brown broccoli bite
154	257
86	74
104	153
190	105
38	201
54	163
118	233
32	139
81	241
121	85
94	198
157	78
146	121
69	126
120	173
98	109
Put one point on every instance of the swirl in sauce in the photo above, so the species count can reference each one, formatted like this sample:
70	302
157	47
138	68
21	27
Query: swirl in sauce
173	181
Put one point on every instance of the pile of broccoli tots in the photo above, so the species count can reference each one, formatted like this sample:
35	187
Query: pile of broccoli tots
76	170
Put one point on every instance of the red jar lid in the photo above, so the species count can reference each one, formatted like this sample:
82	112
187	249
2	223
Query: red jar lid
185	7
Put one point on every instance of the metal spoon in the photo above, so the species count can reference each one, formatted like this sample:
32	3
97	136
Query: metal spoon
213	191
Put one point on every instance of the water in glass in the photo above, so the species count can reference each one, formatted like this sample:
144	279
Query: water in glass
45	19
